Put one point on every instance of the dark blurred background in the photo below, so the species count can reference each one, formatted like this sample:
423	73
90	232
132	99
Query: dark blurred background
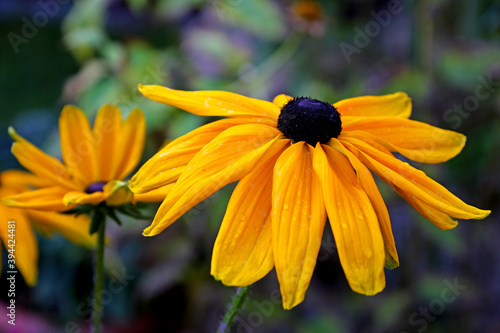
445	54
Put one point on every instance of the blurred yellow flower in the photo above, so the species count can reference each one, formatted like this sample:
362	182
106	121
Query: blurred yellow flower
299	161
95	162
22	244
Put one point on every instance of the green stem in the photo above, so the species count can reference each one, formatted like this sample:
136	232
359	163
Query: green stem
99	276
234	309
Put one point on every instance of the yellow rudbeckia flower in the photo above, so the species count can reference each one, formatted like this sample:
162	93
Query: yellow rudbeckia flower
299	161
90	179
19	239
95	162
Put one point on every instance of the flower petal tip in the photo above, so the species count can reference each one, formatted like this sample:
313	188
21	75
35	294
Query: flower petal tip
68	109
373	292
143	88
217	275
291	303
13	134
484	215
369	288
148	232
404	96
390	263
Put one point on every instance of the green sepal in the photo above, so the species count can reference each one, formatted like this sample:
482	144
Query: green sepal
133	211
98	217
80	209
112	214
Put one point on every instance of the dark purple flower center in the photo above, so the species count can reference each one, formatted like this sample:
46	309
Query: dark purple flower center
309	120
95	187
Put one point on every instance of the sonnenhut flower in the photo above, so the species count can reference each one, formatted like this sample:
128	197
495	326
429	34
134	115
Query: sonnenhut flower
23	244
299	160
95	162
91	177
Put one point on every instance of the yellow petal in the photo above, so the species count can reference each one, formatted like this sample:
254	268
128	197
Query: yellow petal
227	158
353	220
131	143
211	103
368	184
77	144
24	242
441	220
74	228
243	251
298	221
41	164
49	198
416	140
413	181
156	195
18	180
81	198
393	105
281	100
107	129
166	166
